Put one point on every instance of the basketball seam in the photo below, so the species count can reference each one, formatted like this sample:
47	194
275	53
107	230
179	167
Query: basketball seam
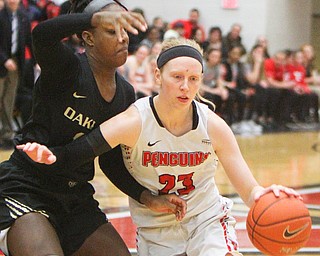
280	242
274	223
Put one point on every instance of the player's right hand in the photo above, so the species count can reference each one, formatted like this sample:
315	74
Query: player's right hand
129	21
38	153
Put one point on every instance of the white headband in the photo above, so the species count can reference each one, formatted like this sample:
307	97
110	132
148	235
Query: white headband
97	5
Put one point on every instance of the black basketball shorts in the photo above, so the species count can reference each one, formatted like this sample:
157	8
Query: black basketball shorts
69	206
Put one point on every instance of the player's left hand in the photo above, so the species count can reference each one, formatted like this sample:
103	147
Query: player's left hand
169	203
276	189
38	153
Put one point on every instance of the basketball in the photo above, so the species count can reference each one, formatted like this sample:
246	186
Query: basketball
278	225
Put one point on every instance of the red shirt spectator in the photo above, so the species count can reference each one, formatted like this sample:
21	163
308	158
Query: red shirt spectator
273	69
191	23
297	73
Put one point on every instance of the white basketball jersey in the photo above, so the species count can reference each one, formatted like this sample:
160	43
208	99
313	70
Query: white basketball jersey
165	163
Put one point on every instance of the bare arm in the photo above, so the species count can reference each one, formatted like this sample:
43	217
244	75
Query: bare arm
236	168
109	135
229	154
124	128
121	129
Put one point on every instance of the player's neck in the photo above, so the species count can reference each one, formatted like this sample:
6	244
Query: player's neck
106	85
177	122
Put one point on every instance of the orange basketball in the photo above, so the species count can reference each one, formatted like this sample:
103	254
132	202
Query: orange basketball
278	225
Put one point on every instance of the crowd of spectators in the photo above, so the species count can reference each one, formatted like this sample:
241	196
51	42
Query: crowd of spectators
17	64
253	91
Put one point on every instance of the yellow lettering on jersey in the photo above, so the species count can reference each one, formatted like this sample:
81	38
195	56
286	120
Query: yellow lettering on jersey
72	115
78	119
89	123
69	113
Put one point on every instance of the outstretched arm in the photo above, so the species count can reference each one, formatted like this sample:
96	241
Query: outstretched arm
86	148
102	139
121	179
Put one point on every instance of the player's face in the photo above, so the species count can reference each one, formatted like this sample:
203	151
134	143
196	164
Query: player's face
107	49
179	80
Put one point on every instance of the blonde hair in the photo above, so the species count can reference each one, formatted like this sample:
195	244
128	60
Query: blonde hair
172	42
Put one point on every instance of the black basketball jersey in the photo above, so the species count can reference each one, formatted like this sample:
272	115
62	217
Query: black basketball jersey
66	101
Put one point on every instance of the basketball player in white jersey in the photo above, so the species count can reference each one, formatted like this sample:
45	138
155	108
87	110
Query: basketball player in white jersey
172	144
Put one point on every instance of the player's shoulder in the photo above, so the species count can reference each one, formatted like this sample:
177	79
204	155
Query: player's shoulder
216	123
143	103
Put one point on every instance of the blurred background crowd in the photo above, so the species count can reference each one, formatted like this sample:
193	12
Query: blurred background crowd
253	91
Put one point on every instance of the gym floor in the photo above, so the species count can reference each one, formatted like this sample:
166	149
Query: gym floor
291	159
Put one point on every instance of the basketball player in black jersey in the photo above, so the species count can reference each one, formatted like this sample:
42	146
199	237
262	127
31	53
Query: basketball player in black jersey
50	212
